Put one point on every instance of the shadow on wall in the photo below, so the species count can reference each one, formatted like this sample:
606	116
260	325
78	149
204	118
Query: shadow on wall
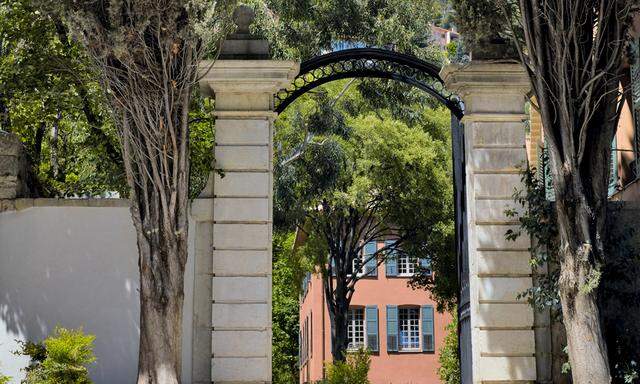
73	267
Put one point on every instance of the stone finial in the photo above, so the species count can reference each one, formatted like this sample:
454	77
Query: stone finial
243	16
495	48
242	45
14	168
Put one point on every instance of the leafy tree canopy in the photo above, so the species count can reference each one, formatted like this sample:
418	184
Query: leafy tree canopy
49	97
334	150
302	29
286	291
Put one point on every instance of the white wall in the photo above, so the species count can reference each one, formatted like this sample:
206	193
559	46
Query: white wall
75	266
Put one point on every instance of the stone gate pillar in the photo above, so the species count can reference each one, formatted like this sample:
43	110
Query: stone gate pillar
243	81
502	327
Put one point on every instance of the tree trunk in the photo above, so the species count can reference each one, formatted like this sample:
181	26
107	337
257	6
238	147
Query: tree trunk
574	54
161	263
585	342
55	166
160	354
37	144
339	339
581	227
149	76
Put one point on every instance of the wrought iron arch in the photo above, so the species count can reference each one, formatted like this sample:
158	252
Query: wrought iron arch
369	63
384	64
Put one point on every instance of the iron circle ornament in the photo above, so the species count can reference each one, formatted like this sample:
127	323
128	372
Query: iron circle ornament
369	63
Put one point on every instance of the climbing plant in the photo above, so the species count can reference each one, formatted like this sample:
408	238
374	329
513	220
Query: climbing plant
449	359
537	219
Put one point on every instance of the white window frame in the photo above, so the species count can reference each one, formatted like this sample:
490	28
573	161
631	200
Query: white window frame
402	259
356	328
409	321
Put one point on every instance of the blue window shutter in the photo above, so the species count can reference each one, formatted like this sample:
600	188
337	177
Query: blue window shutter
392	328
305	284
391	261
613	175
299	346
371	266
427	329
371	317
425	264
333	266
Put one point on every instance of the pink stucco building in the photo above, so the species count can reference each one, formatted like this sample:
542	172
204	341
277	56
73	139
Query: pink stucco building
400	325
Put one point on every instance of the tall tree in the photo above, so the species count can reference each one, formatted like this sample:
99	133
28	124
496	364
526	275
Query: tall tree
576	80
147	54
574	53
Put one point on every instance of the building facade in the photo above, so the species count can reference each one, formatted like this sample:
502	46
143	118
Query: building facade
399	325
626	164
442	36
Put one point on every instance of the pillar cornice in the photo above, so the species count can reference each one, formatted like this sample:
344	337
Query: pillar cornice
486	77
246	76
489	88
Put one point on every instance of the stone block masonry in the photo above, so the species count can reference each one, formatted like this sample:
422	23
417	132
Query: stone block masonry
503	340
14	168
240	201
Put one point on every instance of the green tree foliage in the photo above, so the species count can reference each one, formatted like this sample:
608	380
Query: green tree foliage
354	370
49	96
478	20
287	272
449	369
63	358
313	27
305	28
201	134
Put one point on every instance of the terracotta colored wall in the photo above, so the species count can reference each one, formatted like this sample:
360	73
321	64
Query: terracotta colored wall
386	368
535	137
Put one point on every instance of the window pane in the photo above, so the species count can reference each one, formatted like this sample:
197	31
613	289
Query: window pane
409	328
355	329
406	266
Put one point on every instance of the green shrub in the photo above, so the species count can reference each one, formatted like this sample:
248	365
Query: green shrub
61	359
353	371
4	379
449	370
